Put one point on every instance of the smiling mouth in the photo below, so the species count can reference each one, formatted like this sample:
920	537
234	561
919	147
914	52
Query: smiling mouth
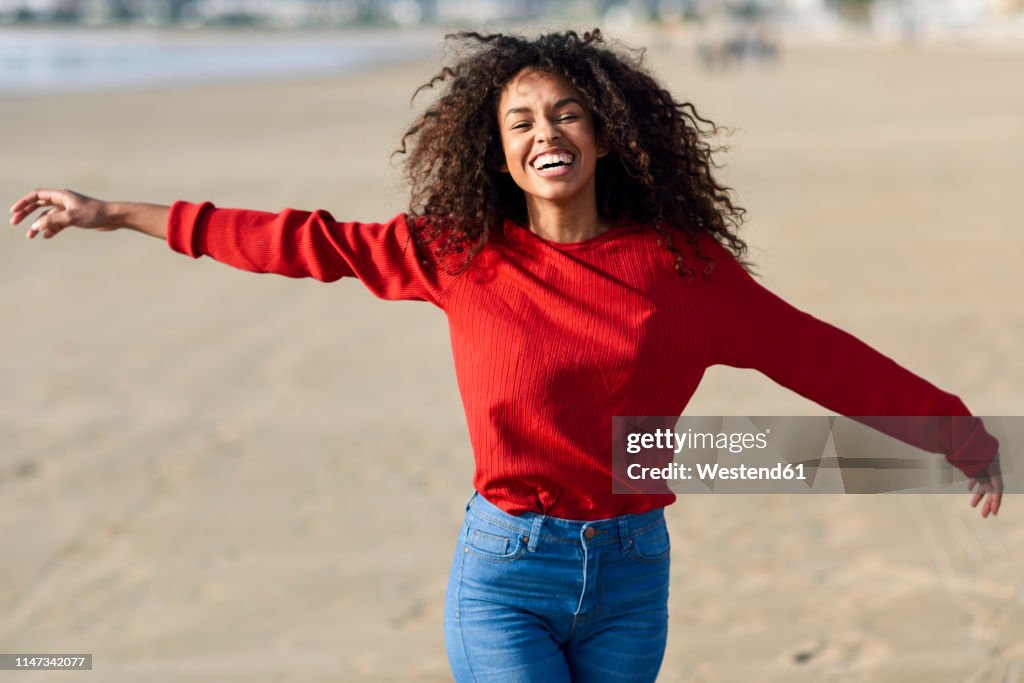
555	164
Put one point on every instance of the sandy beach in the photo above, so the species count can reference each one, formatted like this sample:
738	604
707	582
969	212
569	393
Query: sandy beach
200	468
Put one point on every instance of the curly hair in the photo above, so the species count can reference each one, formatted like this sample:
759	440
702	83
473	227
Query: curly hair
658	170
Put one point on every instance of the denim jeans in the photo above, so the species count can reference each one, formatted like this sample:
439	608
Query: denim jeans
539	599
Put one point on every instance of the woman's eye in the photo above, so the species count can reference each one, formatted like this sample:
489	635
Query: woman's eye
568	117
521	124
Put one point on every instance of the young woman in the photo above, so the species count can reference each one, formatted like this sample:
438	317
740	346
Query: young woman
565	217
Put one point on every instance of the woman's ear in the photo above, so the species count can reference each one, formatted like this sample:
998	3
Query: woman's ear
602	146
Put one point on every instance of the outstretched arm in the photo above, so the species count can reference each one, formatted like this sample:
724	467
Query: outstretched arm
750	327
66	209
384	256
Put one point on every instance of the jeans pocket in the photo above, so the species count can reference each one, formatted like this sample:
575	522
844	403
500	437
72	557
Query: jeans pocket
651	544
492	542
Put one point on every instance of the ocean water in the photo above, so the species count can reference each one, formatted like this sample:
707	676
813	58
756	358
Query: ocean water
36	61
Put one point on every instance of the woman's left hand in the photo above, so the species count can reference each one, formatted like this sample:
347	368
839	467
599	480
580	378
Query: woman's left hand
990	482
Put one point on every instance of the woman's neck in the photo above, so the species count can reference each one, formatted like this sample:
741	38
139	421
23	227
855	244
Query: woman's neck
558	223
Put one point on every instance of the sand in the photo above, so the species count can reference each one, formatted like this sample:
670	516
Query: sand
201	469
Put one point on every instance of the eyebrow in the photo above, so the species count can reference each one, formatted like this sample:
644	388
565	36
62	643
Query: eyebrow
559	104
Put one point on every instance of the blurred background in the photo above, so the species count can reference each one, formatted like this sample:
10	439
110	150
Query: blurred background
948	15
208	475
120	43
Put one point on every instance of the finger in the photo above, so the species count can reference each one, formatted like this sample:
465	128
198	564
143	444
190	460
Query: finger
40	196
50	232
50	223
27	200
23	211
971	484
986	508
38	224
975	498
34	200
25	205
997	500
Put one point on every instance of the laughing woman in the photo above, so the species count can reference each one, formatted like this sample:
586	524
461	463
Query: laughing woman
565	218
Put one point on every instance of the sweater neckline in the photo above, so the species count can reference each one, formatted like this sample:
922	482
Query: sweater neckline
522	233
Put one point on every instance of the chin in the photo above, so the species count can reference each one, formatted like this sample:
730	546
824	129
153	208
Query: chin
558	194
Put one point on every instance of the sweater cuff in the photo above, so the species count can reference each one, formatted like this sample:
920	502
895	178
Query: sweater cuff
184	222
973	447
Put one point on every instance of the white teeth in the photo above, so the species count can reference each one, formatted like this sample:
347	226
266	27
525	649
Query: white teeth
548	159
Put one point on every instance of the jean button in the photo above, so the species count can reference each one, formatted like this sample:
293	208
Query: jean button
589	532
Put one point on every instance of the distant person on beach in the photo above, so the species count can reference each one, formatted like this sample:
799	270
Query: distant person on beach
565	217
733	33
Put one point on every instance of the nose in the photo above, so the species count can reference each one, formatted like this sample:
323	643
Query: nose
546	131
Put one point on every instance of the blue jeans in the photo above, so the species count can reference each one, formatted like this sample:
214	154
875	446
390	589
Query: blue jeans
540	599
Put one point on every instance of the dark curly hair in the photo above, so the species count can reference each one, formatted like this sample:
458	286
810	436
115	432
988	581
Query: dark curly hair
658	170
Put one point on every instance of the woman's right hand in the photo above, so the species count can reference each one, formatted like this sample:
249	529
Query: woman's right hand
64	208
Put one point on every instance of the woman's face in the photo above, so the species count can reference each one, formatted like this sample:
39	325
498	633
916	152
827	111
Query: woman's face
547	135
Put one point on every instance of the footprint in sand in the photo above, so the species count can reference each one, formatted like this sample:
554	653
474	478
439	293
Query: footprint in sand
852	651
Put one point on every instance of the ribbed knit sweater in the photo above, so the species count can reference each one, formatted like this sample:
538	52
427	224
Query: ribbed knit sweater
552	340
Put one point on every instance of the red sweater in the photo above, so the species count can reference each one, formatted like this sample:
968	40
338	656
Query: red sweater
551	341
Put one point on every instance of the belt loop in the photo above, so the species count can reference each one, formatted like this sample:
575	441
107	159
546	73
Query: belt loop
469	503
531	545
624	538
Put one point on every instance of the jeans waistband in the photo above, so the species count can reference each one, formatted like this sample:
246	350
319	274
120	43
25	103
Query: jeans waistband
538	528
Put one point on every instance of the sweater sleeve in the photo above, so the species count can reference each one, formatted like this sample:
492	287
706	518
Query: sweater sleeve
309	244
750	327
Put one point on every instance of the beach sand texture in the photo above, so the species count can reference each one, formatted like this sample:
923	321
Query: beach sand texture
203	472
